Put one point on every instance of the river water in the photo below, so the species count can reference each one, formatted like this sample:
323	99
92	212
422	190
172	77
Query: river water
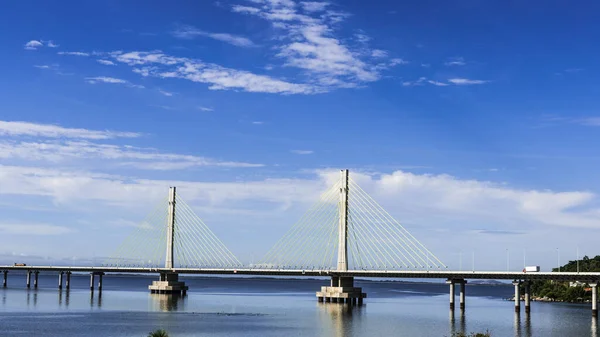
273	307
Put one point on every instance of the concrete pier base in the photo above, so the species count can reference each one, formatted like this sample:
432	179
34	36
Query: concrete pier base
527	297
60	280
28	279
451	284
462	294
594	299
68	283
517	284
168	284
92	281
341	290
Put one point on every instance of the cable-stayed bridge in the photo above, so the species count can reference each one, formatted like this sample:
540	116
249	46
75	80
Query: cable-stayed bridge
345	234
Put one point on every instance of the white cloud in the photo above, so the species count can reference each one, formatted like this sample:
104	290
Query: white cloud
203	108
466	81
55	131
166	93
43	66
245	9
218	77
379	53
188	32
258	122
302	151
51	44
313	6
123	155
112	80
419	82
397	61
33	45
590	121
32	229
436	83
73	53
106	62
455	61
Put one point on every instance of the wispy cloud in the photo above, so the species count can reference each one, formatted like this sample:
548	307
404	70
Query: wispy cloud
455	61
313	6
379	53
73	53
106	62
166	93
436	83
16	128
112	80
30	229
589	121
45	66
51	44
258	122
203	108
33	45
188	32
466	81
302	152
219	78
122	155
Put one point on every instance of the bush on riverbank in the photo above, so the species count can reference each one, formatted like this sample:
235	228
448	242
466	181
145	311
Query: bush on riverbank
158	333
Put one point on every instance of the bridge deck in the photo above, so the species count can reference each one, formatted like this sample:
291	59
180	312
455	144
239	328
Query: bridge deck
434	274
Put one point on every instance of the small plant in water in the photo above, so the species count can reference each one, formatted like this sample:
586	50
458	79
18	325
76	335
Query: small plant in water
158	333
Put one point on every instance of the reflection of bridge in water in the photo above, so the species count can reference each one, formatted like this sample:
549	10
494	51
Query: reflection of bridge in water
345	234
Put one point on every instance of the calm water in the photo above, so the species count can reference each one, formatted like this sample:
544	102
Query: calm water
272	307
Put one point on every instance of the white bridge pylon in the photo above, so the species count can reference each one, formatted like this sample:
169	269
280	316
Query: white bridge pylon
348	230
172	236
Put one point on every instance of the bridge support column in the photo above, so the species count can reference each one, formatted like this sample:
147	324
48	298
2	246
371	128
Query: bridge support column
68	283
168	284
341	290
100	281
594	299
28	279
462	294
517	284
451	283
92	281
5	279
527	297
60	280
35	278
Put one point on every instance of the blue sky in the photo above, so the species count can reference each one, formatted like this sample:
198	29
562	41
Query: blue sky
474	124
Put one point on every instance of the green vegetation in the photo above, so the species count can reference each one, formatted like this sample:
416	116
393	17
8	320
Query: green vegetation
562	291
158	333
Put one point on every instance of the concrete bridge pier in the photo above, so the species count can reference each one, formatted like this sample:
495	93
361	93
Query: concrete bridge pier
341	290
35	278
5	279
28	279
462	294
168	284
60	280
92	281
451	283
594	299
527	297
100	281
517	285
68	283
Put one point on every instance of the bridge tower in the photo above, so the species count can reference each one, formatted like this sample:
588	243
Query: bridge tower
169	280
341	289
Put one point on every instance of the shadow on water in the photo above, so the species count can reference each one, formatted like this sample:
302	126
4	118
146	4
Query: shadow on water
167	302
341	320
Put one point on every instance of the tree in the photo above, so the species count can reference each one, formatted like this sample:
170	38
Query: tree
158	333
